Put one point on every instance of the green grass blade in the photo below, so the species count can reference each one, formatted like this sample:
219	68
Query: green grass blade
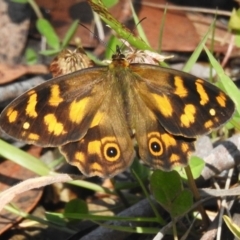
226	83
70	32
139	26
192	60
122	31
24	159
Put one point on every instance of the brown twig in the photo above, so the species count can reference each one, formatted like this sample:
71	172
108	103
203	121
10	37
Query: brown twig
188	9
32	183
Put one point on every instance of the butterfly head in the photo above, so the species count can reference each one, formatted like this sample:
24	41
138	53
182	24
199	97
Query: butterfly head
119	59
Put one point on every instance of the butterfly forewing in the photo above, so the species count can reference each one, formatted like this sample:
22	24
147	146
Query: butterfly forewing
58	111
184	105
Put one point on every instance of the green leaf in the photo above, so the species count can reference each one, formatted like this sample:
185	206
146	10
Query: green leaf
234	21
181	203
30	56
234	228
45	28
166	186
168	191
110	3
69	34
196	164
76	206
50	52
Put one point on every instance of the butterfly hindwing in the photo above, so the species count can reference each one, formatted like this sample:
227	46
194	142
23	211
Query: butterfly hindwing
102	152
107	147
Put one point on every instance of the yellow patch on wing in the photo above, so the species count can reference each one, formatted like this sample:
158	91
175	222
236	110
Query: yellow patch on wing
54	127
77	109
168	140
80	157
188	116
23	134
94	147
31	105
180	89
97	118
212	112
33	136
55	97
221	99
208	124
174	158
96	167
202	93
152	134
184	147
12	115
164	105
26	125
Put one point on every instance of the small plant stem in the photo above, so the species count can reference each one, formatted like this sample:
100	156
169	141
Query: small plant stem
196	195
120	195
160	220
175	237
35	8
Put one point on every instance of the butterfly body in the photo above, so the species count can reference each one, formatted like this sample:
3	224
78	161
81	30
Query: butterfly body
94	115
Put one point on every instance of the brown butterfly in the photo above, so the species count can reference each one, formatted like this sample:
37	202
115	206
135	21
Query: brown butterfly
95	114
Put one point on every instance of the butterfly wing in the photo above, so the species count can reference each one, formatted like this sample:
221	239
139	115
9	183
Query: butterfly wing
107	147
58	111
157	147
183	104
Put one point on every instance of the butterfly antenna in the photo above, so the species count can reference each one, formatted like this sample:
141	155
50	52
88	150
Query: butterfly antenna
95	36
141	21
99	39
124	42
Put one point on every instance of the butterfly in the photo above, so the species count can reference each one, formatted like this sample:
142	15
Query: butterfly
96	115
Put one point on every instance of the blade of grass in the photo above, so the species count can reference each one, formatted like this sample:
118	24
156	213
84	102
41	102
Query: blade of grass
122	31
23	214
191	61
104	218
92	186
36	165
139	26
70	32
161	29
132	229
24	159
226	83
160	220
